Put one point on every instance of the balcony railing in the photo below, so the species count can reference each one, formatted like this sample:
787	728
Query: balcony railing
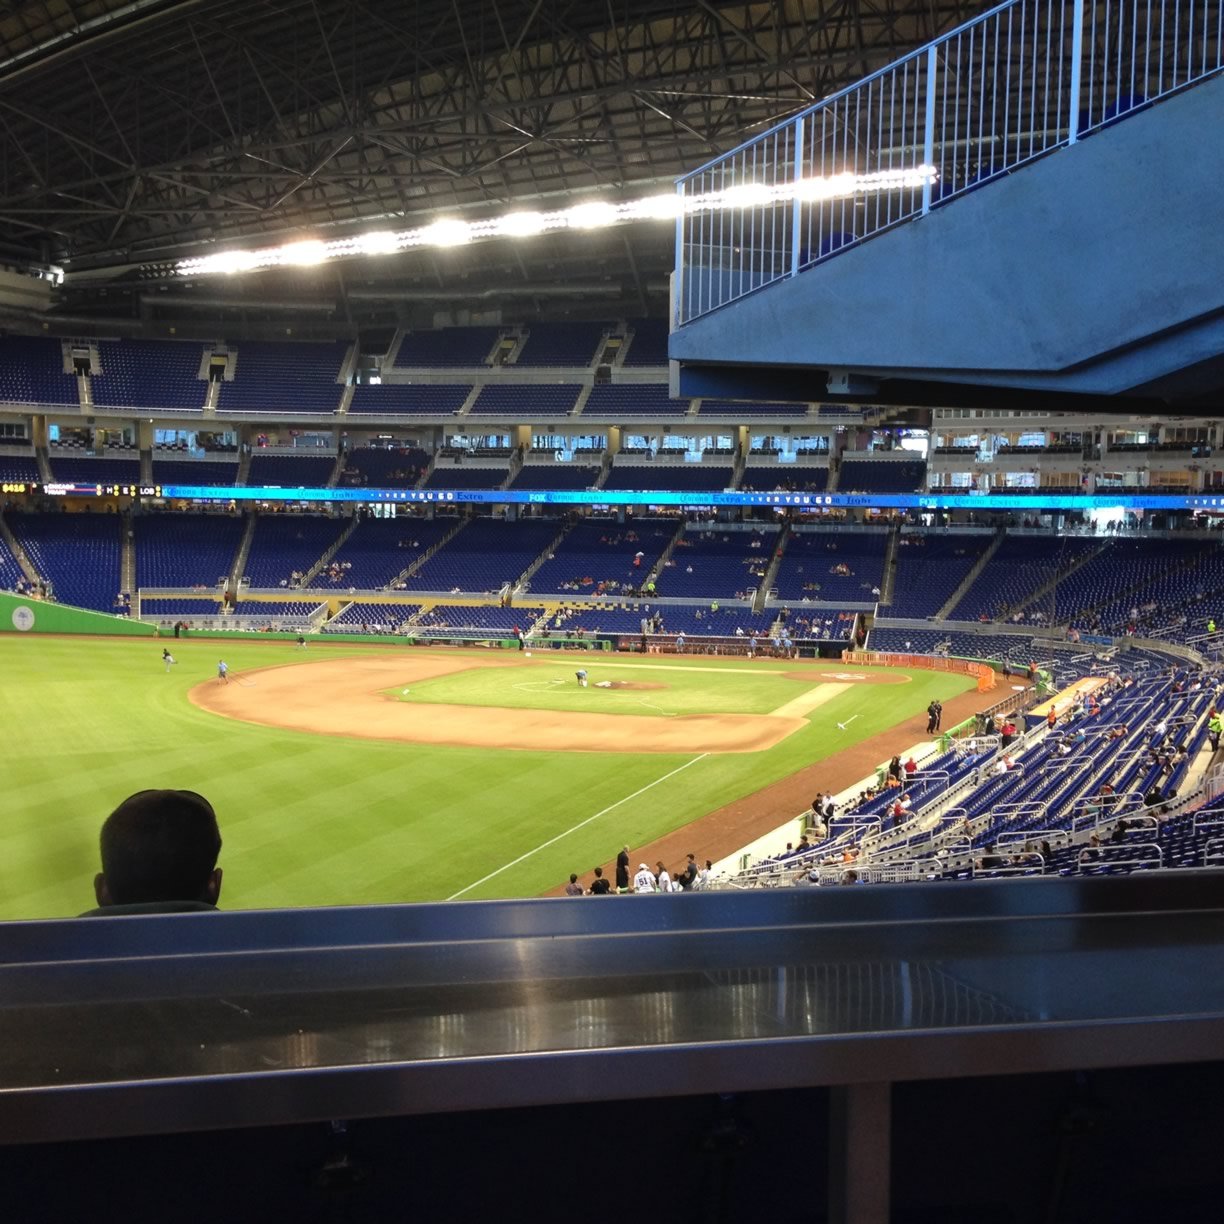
1021	80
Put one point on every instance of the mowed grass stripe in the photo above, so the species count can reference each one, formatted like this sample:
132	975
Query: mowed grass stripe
318	820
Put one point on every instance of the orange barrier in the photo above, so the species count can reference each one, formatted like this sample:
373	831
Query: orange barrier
986	677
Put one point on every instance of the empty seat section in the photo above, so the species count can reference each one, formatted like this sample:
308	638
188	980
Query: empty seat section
19	468
717	562
561	344
290	471
1021	566
450	475
32	372
484	556
149	374
73	469
384	468
675	477
187	609
451	346
831	566
11	572
197	472
881	476
297	609
1118	574
600	554
929	569
478	618
402	399
378	551
648	344
183	550
372	618
284	376
285	543
785	478
633	400
555	476
78	553
525	400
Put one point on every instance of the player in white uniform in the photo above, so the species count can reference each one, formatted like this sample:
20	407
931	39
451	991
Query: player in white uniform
168	659
223	671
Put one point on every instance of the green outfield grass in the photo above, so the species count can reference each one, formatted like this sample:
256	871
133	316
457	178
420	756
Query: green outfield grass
708	686
317	820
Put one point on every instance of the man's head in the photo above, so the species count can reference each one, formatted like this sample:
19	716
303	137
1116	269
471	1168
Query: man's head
160	845
599	873
573	877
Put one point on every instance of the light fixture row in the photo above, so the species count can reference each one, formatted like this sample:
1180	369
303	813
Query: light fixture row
590	216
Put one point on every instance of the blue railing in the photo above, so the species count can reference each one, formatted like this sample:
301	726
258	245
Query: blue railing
1015	83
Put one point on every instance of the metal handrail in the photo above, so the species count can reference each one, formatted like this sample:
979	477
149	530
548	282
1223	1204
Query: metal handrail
1011	85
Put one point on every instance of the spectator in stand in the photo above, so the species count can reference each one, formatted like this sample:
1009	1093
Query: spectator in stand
910	767
622	870
1007	732
644	881
688	877
704	877
599	886
663	880
573	888
159	855
895	769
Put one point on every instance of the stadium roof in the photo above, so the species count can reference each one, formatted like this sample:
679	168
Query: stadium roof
137	132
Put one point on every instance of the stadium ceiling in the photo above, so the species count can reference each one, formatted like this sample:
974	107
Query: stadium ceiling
134	133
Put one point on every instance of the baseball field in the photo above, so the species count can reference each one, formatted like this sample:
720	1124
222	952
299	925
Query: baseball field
349	774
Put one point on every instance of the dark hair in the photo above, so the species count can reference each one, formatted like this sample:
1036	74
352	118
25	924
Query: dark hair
160	845
573	877
598	871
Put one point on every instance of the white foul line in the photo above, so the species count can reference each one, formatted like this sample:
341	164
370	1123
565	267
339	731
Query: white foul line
579	825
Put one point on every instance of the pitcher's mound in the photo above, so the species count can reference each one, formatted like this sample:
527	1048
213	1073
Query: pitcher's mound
629	684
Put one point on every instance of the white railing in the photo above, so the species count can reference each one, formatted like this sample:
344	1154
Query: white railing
1021	80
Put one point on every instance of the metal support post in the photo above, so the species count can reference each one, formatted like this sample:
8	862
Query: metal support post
797	205
928	135
1077	57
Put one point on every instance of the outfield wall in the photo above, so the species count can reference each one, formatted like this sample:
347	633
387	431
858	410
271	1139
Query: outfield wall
20	615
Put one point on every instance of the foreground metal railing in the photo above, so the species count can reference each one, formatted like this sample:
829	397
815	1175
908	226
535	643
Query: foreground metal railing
1021	80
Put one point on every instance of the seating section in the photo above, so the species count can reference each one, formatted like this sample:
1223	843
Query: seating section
648	347
379	468
408	399
261	608
1022	565
785	478
820	625
526	401
480	618
930	566
305	471
597	556
73	469
451	475
78	554
561	344
11	573
184	550
378	551
149	374
618	400
193	472
19	467
555	476
831	566
717	562
372	618
32	372
451	346
205	610
750	408
881	475
663	476
287	543
284	376
485	555
1181	599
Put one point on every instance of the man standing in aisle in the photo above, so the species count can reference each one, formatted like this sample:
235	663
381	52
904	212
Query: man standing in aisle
622	870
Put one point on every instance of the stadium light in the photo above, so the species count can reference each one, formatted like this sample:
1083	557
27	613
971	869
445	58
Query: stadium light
449	232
